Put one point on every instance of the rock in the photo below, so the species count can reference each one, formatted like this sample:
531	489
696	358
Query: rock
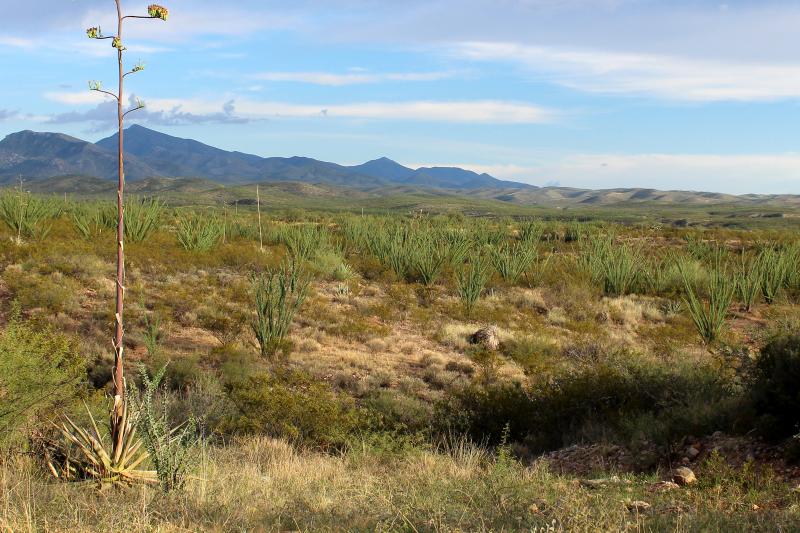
692	452
663	486
638	506
489	338
683	476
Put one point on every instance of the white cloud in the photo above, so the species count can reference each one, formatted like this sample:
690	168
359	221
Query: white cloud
480	111
86	97
350	78
663	76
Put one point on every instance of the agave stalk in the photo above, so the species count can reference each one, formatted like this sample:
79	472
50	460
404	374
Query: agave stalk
119	409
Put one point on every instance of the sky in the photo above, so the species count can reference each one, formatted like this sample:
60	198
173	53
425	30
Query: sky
678	94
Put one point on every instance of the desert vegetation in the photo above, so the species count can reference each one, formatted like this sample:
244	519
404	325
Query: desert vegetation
335	377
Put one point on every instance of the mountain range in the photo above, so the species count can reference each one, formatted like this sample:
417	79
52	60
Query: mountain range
157	163
151	154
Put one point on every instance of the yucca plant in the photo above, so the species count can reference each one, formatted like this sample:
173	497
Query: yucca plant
115	462
531	232
710	318
199	234
428	259
748	282
91	220
512	262
303	242
773	266
616	267
142	218
170	448
470	283
278	295
26	214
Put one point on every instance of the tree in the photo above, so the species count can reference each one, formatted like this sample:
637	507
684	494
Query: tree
153	12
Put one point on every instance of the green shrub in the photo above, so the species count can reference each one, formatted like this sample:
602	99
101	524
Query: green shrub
776	387
278	296
774	267
199	233
170	447
91	220
615	267
710	319
291	405
26	214
512	262
748	282
470	282
142	218
41	373
621	403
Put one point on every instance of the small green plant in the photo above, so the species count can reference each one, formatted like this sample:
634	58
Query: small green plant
773	266
199	234
142	218
91	220
170	448
152	333
775	387
278	295
26	214
710	319
511	262
470	283
40	372
616	267
748	282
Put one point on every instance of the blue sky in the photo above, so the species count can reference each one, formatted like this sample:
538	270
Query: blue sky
680	94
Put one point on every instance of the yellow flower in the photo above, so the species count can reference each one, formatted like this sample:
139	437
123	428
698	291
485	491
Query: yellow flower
157	11
94	33
117	43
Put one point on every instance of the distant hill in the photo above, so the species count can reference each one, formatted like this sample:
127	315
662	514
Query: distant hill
157	163
43	155
151	154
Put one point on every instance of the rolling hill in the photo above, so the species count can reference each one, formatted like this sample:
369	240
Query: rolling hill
151	154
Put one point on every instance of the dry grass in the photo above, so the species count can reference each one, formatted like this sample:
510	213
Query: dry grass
267	485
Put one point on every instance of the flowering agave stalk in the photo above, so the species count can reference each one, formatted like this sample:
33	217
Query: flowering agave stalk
119	424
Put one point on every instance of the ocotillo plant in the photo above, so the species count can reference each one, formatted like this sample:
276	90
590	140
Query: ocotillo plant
153	12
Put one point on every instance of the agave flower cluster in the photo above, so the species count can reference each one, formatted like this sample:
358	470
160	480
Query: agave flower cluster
94	33
158	12
117	43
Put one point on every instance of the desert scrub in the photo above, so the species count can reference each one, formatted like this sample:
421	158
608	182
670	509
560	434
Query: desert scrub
613	401
278	295
142	218
710	318
470	283
511	262
41	372
26	215
171	448
199	233
617	268
291	405
53	293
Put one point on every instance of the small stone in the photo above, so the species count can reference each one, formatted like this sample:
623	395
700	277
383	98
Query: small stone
692	452
663	486
683	476
755	507
638	506
489	338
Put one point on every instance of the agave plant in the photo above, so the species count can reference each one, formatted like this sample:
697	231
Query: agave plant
115	463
